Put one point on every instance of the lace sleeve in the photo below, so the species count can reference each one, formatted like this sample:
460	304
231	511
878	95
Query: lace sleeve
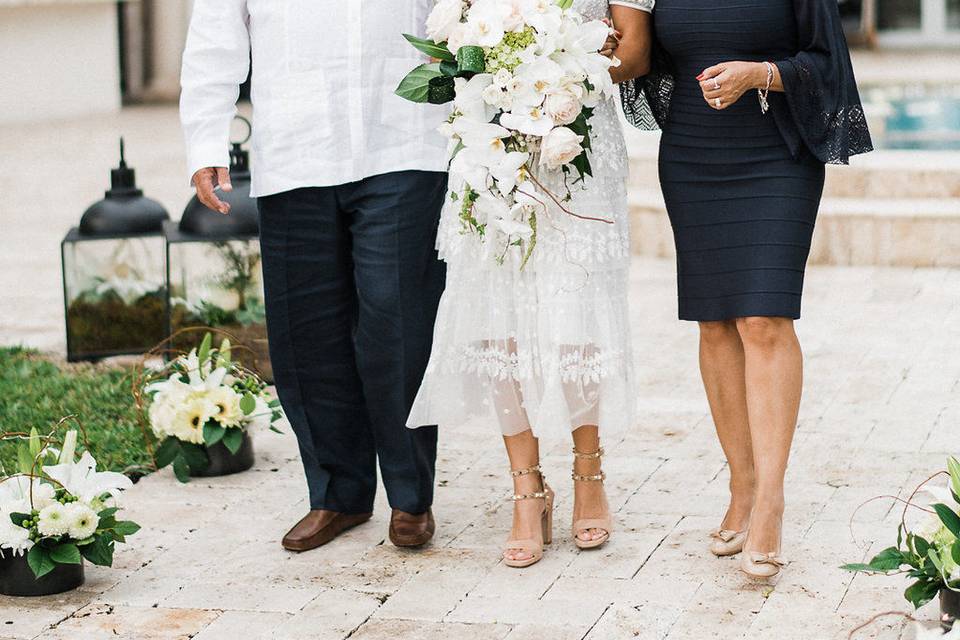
819	86
642	5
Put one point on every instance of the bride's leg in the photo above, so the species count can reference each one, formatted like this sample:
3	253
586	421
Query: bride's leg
583	397
523	451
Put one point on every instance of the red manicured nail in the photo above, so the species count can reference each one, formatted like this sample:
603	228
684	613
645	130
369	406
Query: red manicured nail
700	77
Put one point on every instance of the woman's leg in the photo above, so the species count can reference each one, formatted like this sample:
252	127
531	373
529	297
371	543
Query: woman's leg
722	370
590	500
524	452
774	378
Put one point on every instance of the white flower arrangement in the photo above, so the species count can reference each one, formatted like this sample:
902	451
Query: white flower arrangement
524	77
59	510
205	400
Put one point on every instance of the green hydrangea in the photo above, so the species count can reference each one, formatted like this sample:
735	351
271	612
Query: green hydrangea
506	55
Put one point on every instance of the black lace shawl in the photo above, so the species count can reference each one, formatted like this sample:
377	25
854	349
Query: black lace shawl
820	107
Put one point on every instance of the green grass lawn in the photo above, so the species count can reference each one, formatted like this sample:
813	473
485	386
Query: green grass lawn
35	392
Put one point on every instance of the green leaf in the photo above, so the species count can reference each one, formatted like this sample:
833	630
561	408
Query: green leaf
24	459
416	85
248	403
953	466
449	68
438	50
213	433
109	512
100	551
195	456
921	592
889	559
35	445
935	559
950	519
66	553
223	357
856	566
919	545
40	562
955	551
85	541
181	470
203	353
126	528
18	518
168	450
564	4
233	440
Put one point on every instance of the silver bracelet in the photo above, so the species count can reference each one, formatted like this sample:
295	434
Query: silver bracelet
764	93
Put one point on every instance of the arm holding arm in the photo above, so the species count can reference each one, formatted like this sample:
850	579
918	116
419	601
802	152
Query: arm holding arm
216	61
632	18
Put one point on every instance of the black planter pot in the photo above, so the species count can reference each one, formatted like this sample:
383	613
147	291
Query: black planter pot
224	463
949	608
17	579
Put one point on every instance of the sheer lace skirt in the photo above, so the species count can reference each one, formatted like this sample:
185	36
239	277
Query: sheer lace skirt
548	347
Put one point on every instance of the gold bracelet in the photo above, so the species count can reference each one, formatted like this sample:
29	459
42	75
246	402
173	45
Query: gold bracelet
764	93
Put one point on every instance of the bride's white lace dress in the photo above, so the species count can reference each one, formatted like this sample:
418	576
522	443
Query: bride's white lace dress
548	347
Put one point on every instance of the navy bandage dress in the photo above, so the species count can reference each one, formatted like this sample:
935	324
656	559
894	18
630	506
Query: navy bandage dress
742	188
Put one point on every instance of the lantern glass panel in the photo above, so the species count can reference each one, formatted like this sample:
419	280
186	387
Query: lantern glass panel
219	284
114	294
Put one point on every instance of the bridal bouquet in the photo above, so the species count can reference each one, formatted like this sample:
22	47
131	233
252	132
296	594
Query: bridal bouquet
524	77
206	400
58	510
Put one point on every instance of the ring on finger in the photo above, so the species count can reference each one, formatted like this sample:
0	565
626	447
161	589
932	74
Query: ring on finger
716	84
718	102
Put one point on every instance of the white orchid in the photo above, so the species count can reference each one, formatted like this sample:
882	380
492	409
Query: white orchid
470	101
510	171
534	121
82	479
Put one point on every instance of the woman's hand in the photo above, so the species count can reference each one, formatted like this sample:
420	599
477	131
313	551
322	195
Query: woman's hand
723	84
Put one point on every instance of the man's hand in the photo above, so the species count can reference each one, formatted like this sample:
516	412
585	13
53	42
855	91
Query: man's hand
613	40
206	181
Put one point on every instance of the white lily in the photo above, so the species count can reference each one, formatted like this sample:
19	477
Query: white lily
82	479
21	494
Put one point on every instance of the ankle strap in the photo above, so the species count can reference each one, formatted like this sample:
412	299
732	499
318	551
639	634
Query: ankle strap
600	477
588	456
516	473
536	495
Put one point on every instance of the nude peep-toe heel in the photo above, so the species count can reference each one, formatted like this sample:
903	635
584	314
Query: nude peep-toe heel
530	545
584	524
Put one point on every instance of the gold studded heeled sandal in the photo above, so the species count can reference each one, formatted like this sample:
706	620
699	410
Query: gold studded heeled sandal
585	524
530	545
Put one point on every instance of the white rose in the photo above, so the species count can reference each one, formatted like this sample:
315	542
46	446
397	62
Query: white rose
492	95
563	106
502	78
443	19
559	147
83	521
53	520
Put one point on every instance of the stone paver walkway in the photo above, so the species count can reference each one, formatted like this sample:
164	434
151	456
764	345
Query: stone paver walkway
881	412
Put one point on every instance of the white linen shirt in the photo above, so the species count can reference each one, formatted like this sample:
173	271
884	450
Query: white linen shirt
324	74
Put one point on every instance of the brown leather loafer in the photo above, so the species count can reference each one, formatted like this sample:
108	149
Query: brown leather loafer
319	527
410	529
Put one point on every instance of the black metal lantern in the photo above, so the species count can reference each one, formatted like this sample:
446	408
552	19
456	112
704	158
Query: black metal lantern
214	273
114	286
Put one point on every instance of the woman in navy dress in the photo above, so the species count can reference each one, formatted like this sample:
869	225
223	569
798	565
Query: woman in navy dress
754	97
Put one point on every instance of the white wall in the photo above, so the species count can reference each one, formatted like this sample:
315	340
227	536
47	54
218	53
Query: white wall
58	59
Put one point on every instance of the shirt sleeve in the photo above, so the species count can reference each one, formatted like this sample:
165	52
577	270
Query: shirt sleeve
216	62
820	88
642	5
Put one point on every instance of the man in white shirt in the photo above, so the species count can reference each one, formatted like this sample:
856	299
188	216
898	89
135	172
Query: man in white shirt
350	181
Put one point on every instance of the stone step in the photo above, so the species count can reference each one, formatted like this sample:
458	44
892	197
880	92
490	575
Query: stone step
882	174
850	231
